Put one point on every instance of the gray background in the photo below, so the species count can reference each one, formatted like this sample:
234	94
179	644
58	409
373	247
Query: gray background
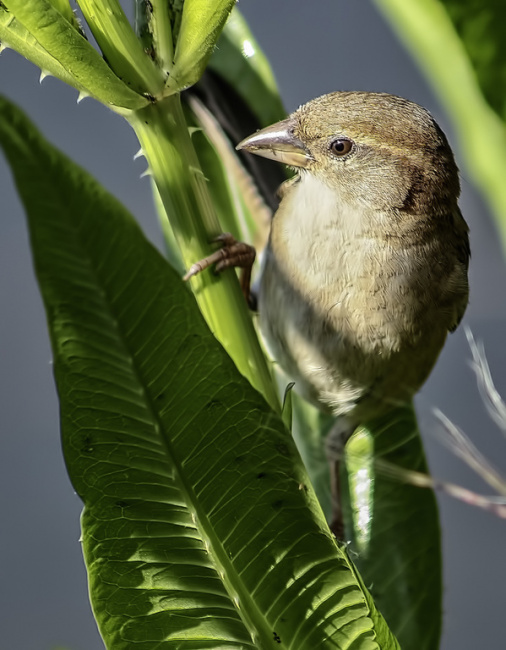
314	47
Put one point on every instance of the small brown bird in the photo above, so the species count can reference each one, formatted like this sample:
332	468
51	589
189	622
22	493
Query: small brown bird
365	271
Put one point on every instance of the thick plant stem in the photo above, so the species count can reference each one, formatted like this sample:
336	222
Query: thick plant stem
166	143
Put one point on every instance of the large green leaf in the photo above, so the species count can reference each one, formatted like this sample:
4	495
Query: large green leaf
55	38
200	529
394	528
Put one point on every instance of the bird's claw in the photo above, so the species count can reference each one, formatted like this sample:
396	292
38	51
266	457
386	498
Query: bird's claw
232	253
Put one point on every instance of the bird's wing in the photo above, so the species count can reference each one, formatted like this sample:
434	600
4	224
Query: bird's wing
458	281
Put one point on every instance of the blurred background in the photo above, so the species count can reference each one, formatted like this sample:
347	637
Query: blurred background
314	48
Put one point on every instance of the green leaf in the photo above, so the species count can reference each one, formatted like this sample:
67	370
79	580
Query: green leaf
395	529
63	6
382	629
426	28
480	26
200	527
122	49
201	24
239	60
69	48
15	36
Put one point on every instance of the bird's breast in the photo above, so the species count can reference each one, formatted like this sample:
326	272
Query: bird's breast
337	305
334	268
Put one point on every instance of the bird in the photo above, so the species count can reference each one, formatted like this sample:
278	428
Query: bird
366	268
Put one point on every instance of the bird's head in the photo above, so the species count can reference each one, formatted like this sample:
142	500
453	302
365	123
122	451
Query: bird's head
376	149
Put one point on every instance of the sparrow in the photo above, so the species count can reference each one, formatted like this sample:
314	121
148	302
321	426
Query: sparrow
365	271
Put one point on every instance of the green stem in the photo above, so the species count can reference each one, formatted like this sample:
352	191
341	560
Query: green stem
166	143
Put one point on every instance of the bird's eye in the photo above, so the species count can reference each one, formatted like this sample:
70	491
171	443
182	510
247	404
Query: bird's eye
341	147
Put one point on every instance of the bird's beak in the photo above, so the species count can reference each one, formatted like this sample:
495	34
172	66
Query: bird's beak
278	142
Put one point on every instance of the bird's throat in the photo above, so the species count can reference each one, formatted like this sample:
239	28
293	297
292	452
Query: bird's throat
317	236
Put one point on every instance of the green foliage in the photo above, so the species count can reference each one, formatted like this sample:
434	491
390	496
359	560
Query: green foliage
52	43
201	25
14	34
480	26
241	63
120	46
63	6
199	522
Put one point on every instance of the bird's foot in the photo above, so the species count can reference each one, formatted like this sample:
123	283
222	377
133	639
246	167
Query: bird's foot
234	254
